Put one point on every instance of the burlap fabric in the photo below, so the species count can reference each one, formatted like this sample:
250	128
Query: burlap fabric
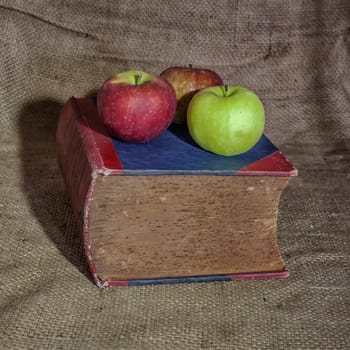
294	54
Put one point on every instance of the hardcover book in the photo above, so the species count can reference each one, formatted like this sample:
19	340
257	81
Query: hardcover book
167	211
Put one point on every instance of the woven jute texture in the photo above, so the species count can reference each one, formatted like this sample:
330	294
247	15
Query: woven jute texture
294	54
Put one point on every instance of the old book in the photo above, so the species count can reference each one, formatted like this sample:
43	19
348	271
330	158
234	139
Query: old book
167	211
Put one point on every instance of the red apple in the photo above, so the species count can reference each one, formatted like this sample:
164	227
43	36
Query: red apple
186	81
136	106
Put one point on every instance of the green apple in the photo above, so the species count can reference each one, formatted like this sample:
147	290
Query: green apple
226	120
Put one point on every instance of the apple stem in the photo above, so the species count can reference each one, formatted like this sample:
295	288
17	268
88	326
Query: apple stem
225	90
138	78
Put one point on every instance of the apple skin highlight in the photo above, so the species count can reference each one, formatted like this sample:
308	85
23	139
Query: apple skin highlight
136	106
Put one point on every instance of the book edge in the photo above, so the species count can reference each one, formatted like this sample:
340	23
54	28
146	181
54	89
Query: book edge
105	280
197	279
86	232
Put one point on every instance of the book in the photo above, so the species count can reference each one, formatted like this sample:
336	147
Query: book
168	211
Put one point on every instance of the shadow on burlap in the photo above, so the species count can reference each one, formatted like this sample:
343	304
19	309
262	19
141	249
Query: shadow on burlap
295	55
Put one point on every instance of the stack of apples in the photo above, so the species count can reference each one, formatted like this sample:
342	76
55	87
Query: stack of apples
137	107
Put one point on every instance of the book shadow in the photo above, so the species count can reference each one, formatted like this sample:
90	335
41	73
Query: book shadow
181	132
42	181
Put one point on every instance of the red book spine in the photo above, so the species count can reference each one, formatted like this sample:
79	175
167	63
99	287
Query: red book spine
79	165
